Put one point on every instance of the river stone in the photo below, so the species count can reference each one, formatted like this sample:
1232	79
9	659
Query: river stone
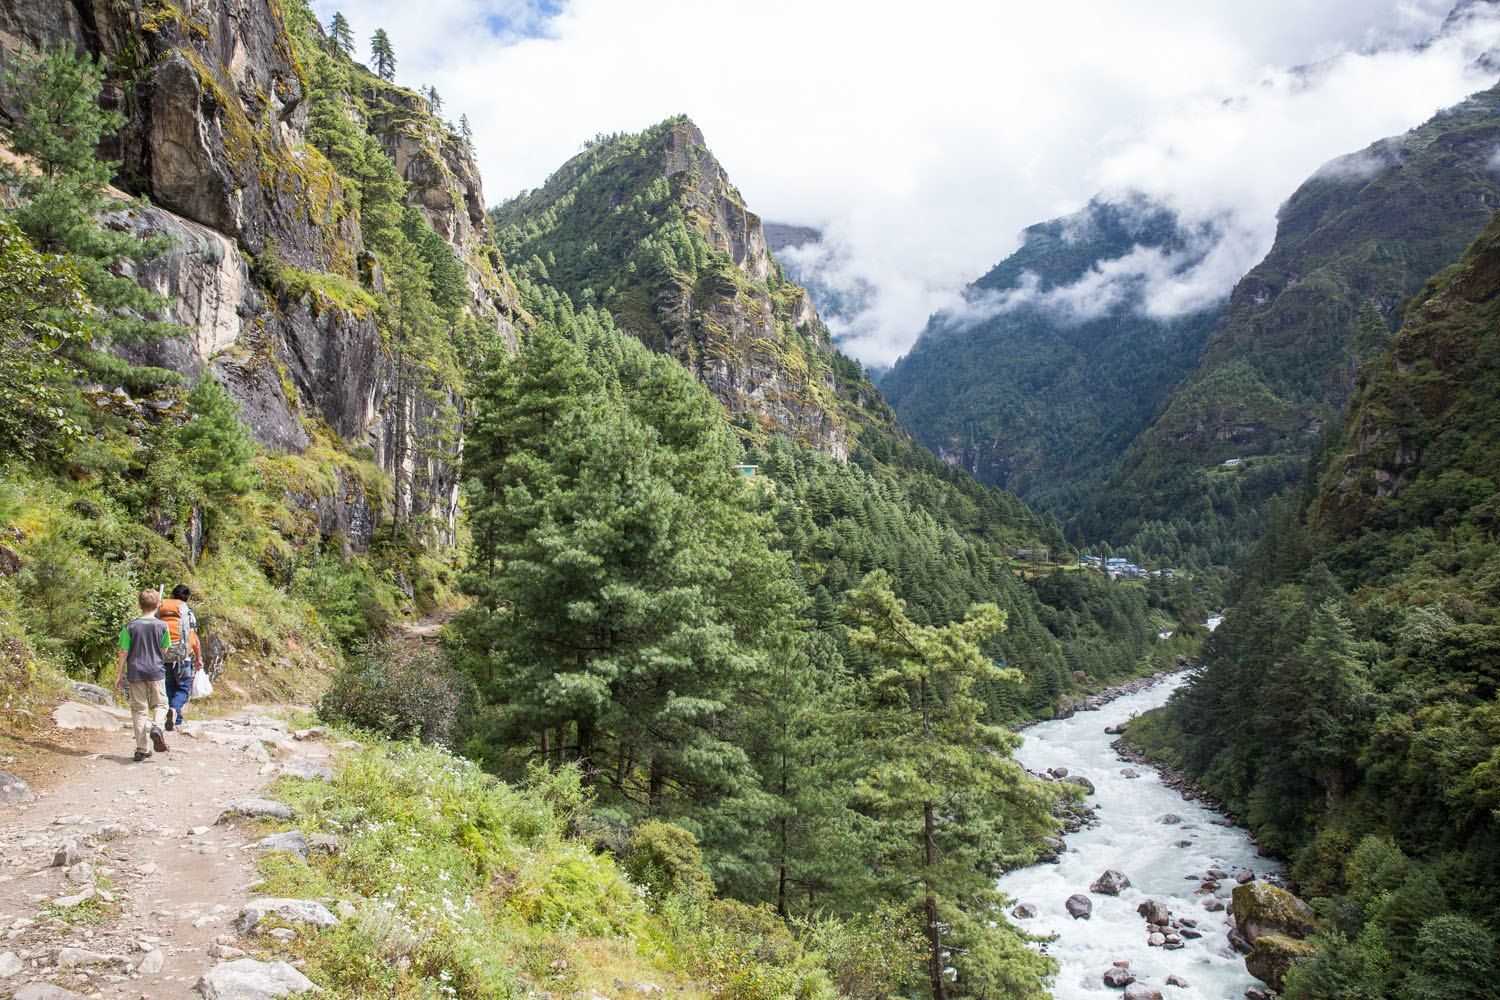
1059	772
1261	908
1157	939
1140	991
1154	911
247	979
1117	978
1258	993
1081	782
1190	934
1274	954
257	809
1023	911
1177	981
1171	819
13	791
1217	874
1244	877
293	911
1213	905
1129	772
1111	883
1079	906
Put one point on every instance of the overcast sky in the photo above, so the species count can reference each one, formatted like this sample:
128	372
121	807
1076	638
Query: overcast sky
924	136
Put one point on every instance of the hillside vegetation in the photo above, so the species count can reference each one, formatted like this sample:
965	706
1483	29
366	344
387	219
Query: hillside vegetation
1348	704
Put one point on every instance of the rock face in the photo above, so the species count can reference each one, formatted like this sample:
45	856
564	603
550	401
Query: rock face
215	139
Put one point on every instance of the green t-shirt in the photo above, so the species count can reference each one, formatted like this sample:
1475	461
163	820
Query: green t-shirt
144	640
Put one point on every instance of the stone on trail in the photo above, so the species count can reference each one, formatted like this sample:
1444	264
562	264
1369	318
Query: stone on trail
307	770
13	791
67	855
248	979
292	840
68	902
325	843
256	809
312	733
94	693
70	958
1111	883
46	991
1079	906
153	963
10	964
292	911
1118	978
78	715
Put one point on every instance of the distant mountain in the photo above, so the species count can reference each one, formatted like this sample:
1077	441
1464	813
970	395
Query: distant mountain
1353	245
781	235
1053	368
840	295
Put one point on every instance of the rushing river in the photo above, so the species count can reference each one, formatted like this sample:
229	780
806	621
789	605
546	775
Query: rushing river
1130	838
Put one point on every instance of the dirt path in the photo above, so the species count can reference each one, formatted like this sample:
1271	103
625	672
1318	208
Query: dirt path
167	880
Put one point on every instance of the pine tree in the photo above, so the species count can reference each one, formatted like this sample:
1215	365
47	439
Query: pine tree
58	128
465	132
434	101
340	34
383	55
948	799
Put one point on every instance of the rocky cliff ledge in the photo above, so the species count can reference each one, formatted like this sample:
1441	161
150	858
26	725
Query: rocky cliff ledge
217	147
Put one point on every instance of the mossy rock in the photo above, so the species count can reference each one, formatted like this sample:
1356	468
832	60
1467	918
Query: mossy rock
1260	909
1274	954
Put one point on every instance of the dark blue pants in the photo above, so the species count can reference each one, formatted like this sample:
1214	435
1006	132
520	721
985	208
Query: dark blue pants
178	692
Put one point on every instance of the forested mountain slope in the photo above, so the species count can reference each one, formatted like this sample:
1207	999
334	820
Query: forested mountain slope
1348	706
1053	367
1354	243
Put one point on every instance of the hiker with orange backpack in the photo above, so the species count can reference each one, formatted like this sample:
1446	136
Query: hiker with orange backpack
183	655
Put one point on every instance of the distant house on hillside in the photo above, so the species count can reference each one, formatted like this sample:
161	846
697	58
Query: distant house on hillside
1230	463
1037	554
747	470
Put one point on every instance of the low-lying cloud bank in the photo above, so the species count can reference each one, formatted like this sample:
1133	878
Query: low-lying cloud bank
922	140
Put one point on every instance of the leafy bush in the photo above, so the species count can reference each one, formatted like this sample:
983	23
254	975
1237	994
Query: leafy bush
665	859
401	695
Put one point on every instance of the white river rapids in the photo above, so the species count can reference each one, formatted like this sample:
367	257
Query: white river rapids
1131	838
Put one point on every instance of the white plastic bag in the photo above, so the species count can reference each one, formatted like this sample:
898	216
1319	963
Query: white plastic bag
202	685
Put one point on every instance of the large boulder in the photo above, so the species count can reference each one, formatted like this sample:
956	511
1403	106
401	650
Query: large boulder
1261	908
1274	954
1111	883
46	991
1140	991
1118	978
1079	906
1081	782
1155	911
13	790
305	912
247	979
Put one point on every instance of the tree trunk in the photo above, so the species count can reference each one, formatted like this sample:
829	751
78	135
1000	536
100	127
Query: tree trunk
586	751
934	932
656	783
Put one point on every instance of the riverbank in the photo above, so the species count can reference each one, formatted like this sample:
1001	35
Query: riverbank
1097	700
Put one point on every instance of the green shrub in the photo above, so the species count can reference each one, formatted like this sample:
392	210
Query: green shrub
400	695
665	859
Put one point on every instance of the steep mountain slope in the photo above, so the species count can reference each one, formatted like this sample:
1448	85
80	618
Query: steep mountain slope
1354	243
650	227
1052	369
1348	705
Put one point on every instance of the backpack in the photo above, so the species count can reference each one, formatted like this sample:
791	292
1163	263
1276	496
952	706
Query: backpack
181	649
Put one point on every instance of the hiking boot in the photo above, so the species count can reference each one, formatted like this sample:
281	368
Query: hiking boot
170	714
158	740
141	755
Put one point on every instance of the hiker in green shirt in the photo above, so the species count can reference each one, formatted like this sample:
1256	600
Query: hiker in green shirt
142	643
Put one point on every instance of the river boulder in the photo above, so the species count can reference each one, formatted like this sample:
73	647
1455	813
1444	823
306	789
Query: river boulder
1079	906
1155	911
1261	908
1023	911
1140	991
1081	782
1117	978
1274	954
1111	883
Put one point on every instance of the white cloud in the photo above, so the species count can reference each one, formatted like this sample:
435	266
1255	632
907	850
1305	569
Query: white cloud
923	138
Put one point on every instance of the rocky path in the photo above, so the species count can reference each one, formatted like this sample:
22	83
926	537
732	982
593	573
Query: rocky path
118	879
